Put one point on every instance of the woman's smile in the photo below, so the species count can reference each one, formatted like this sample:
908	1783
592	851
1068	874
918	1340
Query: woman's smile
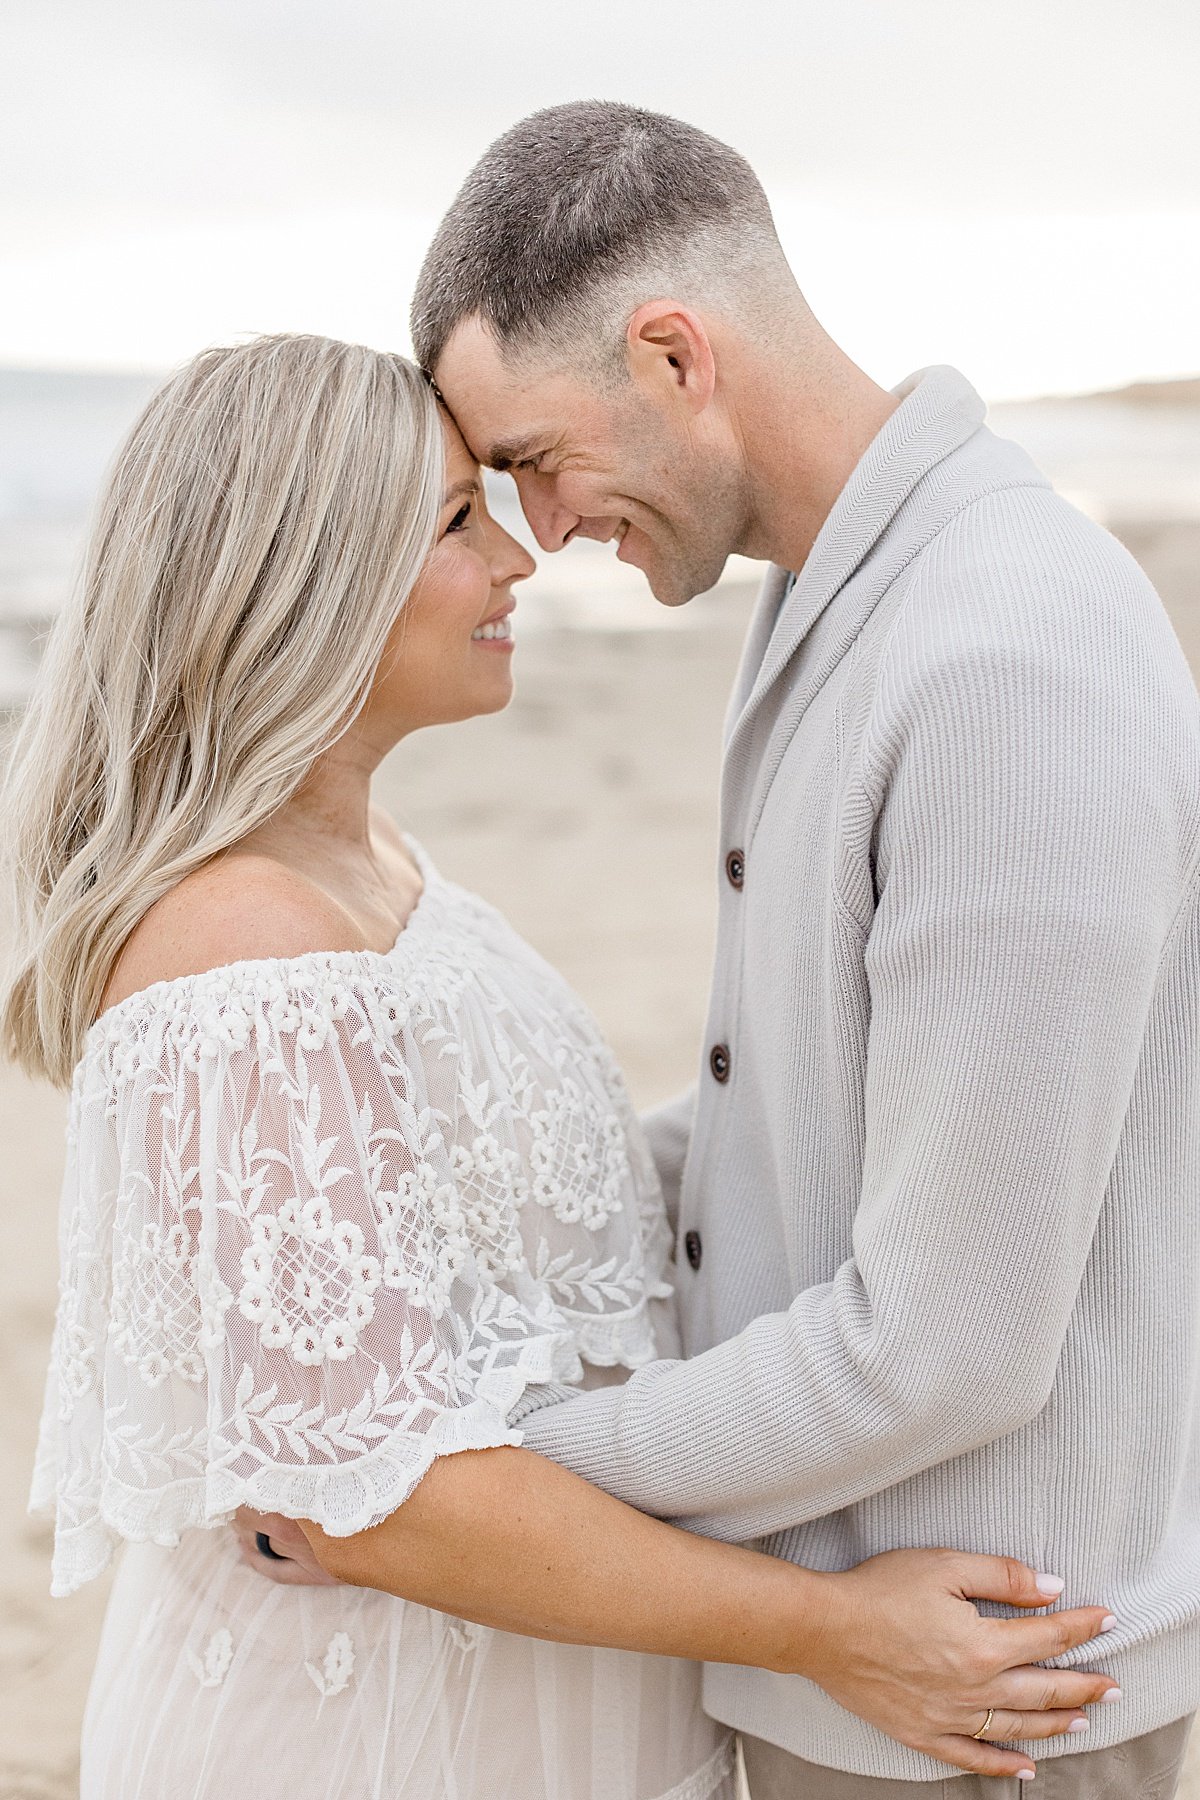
496	632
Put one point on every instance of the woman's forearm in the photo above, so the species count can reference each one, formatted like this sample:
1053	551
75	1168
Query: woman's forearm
513	1541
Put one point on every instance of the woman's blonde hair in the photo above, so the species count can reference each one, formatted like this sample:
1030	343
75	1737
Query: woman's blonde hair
264	522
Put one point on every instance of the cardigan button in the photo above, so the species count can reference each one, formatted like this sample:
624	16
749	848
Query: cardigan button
694	1249
735	868
719	1062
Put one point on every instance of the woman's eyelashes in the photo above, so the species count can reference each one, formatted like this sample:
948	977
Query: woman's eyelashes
459	521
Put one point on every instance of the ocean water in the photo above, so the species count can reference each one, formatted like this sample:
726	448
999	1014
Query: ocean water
1122	462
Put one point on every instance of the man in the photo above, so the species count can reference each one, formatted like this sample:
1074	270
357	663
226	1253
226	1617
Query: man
936	1189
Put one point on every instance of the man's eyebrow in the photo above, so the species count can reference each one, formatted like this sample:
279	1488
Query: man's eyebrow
502	456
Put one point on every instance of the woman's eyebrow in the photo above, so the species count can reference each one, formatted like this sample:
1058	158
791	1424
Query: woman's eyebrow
470	486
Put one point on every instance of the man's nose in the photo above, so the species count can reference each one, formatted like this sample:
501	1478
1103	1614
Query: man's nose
551	523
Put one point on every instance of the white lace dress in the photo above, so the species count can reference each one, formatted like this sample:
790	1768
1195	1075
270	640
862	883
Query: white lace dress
324	1220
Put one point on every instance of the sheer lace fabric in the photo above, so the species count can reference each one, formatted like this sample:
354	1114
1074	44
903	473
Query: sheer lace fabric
326	1219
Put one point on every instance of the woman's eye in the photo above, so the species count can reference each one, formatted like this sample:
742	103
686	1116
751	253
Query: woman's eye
460	518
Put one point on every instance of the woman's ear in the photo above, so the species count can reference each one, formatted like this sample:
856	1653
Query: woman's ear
669	348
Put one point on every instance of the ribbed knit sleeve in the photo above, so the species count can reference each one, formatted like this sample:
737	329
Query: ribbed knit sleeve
1027	765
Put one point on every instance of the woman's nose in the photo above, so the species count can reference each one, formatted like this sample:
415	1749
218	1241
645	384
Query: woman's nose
510	559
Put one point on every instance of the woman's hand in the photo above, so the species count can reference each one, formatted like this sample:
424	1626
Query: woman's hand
514	1542
293	1564
903	1647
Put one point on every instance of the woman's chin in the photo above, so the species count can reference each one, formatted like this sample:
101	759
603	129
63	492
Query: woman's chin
485	697
502	698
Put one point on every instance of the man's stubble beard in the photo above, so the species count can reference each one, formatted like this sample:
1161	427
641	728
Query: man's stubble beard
718	527
704	510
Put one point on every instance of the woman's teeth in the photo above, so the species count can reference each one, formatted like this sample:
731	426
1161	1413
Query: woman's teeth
485	633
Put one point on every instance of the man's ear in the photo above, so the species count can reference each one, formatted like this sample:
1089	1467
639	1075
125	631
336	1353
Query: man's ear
669	348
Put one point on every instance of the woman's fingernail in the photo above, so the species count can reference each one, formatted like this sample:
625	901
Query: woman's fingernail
1108	1623
1050	1584
1112	1695
1026	1774
1078	1725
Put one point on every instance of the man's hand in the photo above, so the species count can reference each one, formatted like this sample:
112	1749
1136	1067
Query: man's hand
904	1647
300	1567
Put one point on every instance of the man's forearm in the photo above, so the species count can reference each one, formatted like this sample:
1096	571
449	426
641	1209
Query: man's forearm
780	1424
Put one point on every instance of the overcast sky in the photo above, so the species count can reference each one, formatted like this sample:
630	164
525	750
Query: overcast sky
1010	184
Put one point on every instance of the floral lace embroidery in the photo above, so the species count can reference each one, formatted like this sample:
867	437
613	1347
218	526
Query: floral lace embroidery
211	1669
156	1325
333	1677
325	1219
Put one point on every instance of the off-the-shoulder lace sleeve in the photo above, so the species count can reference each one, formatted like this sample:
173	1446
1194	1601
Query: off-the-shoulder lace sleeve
268	1297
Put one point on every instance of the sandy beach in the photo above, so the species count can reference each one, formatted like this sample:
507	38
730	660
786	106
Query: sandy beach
587	812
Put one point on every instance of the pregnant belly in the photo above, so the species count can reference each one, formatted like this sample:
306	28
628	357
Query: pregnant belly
212	1681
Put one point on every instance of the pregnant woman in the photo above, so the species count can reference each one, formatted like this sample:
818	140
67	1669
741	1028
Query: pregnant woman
352	1178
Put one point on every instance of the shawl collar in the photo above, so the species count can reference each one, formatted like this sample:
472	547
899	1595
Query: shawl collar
939	411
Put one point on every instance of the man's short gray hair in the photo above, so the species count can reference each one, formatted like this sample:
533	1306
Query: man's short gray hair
583	206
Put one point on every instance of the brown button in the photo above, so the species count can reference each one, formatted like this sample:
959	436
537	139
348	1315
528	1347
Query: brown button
735	868
718	1062
694	1249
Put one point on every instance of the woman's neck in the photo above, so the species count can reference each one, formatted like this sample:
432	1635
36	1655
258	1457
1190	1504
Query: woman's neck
332	806
326	834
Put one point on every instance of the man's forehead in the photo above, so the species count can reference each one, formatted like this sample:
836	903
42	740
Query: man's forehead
504	416
470	373
499	434
495	443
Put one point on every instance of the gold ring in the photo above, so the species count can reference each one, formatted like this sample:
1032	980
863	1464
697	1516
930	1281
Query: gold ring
986	1726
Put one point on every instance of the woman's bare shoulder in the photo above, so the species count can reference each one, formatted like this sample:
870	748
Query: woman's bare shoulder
241	907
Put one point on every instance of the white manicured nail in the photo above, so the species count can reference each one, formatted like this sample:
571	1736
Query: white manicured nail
1026	1774
1050	1584
1113	1695
1078	1725
1108	1623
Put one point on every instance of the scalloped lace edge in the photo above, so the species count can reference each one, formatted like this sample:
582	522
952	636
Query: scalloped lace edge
619	1340
83	1549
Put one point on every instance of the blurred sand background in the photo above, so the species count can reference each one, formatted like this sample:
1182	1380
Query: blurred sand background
588	813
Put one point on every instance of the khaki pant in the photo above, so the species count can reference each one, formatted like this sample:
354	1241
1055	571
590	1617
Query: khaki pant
1146	1768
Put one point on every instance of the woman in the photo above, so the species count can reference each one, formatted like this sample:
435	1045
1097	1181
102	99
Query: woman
352	1177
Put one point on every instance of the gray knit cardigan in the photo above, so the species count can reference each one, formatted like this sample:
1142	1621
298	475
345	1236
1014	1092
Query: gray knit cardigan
938	1189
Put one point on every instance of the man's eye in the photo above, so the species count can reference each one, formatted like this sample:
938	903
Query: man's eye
460	518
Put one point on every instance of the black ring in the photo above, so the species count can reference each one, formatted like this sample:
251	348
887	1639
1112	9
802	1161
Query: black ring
263	1544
